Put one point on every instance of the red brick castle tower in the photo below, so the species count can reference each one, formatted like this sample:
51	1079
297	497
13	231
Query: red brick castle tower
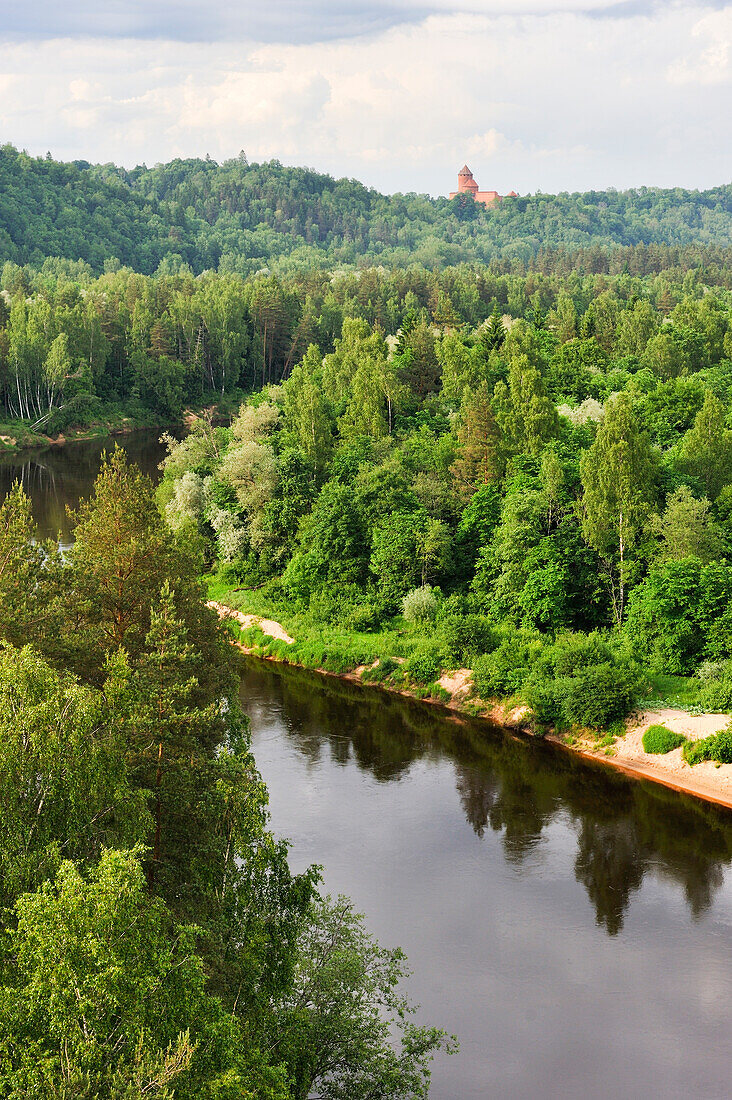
467	183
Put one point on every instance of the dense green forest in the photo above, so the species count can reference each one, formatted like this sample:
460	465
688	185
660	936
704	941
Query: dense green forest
237	217
73	344
154	940
543	494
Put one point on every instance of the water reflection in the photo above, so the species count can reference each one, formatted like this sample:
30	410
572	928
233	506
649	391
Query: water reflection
514	788
58	477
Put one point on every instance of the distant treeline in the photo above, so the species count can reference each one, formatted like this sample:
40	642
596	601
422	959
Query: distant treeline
240	217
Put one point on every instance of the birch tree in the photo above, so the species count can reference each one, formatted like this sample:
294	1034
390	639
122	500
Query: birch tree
618	473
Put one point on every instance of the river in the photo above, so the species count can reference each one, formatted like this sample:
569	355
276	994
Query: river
571	926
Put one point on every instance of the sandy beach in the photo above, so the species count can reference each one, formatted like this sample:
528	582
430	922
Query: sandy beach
707	780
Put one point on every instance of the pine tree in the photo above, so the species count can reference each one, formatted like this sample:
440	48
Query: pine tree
495	331
480	445
123	554
171	740
706	449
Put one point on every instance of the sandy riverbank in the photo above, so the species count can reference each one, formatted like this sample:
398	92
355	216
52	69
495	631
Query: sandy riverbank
268	626
706	780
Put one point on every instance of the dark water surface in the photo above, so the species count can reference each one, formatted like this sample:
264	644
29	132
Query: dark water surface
57	476
572	927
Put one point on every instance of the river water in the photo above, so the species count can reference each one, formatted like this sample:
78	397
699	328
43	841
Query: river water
571	926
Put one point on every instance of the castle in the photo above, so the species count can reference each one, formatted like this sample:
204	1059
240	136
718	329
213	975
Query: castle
467	183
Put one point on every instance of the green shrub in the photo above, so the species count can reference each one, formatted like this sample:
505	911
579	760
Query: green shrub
659	740
598	695
385	668
718	747
581	679
504	671
540	692
251	635
723	747
464	637
709	671
572	652
717	694
420	605
279	649
334	603
365	616
422	668
696	751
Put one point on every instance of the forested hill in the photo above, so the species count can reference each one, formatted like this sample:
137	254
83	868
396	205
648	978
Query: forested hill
241	217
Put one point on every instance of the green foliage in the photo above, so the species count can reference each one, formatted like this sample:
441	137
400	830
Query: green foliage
705	451
680	615
599	695
247	216
153	936
618	479
380	672
465	637
716	694
687	529
422	667
420	605
581	680
717	747
66	790
104	994
659	740
344	1026
407	548
504	671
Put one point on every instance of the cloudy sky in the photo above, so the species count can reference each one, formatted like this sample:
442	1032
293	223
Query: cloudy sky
534	94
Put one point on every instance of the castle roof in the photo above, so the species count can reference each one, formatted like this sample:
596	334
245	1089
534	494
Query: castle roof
465	171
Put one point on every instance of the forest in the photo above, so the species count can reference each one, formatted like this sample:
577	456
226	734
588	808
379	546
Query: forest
541	493
241	217
76	347
154	939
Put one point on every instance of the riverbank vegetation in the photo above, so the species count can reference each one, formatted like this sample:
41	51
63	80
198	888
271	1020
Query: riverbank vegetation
154	939
538	492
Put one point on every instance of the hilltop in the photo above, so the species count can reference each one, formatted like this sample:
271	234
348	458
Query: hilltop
242	217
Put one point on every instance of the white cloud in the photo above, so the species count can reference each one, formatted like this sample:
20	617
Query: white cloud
713	63
542	101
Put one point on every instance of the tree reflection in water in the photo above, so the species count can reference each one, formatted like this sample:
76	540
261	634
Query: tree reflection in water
515	787
60	476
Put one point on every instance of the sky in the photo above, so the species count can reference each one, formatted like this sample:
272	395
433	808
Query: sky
535	95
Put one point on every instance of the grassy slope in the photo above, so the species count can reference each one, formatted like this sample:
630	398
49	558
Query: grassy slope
319	645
